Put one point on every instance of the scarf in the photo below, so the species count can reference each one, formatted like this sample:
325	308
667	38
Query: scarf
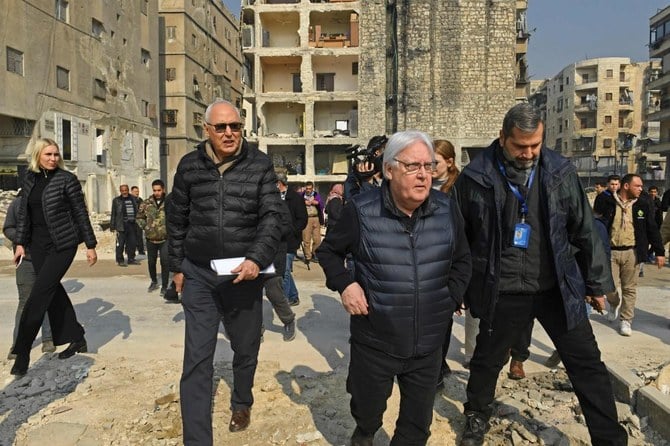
625	207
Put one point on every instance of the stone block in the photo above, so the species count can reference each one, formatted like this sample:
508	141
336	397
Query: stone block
654	405
624	383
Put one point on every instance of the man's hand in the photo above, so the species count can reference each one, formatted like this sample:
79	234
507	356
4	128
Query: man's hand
354	301
660	261
178	279
248	270
364	167
597	302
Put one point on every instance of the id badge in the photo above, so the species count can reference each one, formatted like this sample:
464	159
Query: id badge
521	235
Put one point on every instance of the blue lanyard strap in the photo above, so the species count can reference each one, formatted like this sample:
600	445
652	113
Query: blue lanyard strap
515	189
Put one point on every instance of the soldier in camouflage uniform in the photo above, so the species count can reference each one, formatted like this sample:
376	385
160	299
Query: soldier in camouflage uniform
151	218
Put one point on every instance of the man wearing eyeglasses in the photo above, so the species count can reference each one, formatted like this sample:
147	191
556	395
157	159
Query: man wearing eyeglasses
535	254
224	204
412	266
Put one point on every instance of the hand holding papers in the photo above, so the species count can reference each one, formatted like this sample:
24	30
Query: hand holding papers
239	266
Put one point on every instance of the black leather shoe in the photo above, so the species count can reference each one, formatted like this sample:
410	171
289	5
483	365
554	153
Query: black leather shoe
75	347
360	438
240	420
20	366
476	426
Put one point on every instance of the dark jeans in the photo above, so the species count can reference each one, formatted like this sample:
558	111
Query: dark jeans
49	295
126	241
274	290
290	290
370	383
520	349
25	278
139	237
153	251
205	298
578	351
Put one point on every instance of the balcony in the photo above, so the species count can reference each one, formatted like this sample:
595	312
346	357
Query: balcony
586	108
660	82
591	85
662	147
663	114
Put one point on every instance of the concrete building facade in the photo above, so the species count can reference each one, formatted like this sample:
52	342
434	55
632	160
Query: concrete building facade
596	114
323	75
83	73
200	60
658	89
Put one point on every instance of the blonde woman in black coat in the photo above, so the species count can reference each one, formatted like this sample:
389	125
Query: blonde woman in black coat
52	222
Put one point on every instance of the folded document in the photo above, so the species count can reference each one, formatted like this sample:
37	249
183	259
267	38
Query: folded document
223	267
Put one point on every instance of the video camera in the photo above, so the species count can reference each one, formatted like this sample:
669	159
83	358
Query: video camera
366	154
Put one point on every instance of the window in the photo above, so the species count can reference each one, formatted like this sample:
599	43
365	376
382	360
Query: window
99	145
171	32
99	89
62	8
169	117
609	74
607	143
66	141
567	80
14	61
608	119
621	121
354	68
145	57
585	78
170	74
583	123
97	28
145	108
297	83
622	76
608	96
62	78
325	81
194	40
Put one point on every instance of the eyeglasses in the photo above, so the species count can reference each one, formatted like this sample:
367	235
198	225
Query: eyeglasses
413	168
221	127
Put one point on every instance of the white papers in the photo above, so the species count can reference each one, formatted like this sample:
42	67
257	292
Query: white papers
223	267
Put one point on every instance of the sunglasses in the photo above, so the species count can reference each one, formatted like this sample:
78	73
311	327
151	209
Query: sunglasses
221	127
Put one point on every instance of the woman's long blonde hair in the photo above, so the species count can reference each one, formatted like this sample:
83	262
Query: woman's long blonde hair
446	149
38	147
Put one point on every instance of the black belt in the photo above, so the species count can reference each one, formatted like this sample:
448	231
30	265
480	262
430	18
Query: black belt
622	248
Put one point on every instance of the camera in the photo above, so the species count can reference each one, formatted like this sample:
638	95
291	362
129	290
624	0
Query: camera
367	154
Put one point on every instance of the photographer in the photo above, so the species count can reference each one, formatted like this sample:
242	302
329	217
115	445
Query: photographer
365	171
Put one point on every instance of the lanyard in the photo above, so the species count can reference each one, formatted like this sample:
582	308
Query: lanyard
515	189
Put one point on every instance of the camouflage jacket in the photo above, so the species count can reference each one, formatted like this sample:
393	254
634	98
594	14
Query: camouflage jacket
151	218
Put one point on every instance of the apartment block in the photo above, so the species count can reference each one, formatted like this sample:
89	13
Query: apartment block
200	61
658	90
83	73
596	115
323	75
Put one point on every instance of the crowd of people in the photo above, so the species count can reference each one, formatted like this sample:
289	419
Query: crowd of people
410	240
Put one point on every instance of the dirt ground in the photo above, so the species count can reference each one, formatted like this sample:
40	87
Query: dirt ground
125	391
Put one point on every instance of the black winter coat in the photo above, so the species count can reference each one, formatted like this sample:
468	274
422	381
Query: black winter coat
64	211
579	257
646	231
296	206
212	216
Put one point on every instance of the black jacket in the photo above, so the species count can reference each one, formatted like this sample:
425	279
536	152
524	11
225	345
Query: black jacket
212	216
116	222
64	210
578	254
296	206
644	224
413	271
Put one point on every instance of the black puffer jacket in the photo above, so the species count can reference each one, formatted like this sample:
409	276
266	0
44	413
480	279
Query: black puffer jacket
408	275
579	258
64	211
212	216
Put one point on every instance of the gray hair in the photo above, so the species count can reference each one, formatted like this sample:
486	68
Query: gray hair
524	116
216	102
400	141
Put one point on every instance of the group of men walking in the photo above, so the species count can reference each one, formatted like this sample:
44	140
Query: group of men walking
515	242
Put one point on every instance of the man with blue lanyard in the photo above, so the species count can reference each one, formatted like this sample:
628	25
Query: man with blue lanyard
535	255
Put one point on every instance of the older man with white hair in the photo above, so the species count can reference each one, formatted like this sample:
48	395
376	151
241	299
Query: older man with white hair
412	267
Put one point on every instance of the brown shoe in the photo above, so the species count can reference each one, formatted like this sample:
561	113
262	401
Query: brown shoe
240	420
516	370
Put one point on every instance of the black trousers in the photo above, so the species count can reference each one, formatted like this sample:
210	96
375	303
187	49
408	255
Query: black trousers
370	383
205	298
126	241
274	290
49	295
578	350
154	250
139	237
